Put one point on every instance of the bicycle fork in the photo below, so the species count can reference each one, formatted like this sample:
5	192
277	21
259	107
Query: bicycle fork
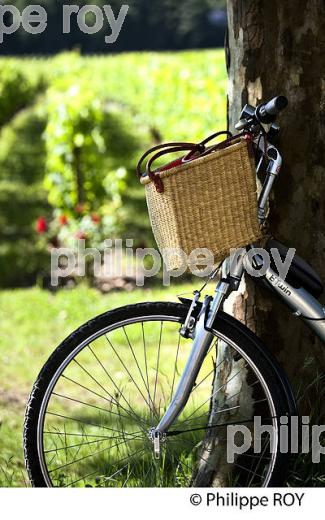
202	339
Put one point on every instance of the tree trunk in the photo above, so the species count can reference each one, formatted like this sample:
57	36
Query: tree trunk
278	48
213	469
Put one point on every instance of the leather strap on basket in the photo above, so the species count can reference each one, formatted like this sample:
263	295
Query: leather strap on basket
152	174
195	151
155	148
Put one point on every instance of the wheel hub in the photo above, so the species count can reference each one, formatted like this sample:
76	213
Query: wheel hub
157	438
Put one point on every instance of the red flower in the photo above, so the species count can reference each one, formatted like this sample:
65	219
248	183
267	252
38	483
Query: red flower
81	235
95	218
63	220
80	208
41	225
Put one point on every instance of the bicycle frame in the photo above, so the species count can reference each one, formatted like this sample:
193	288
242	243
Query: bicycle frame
300	301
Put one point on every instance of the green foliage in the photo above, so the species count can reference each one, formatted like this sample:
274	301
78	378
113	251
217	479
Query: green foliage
180	95
92	142
21	257
99	110
22	198
17	90
22	150
83	136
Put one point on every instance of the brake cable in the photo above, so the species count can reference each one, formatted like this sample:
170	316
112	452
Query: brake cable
210	277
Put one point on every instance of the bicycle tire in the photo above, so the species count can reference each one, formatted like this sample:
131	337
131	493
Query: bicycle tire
224	327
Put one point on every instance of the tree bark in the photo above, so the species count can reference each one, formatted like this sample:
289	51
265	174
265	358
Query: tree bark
213	469
278	48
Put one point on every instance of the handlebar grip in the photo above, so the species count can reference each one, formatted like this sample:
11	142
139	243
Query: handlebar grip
267	111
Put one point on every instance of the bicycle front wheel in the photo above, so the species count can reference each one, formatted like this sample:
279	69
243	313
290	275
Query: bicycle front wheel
91	409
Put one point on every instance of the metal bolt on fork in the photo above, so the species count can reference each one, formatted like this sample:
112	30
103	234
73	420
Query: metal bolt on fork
156	438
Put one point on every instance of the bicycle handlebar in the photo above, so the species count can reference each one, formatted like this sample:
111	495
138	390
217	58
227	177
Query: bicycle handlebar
266	112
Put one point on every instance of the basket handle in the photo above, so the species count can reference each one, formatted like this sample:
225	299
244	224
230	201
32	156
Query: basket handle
152	174
216	134
160	147
195	150
164	149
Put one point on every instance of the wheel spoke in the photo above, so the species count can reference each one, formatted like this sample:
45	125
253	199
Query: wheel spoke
205	415
259	462
128	411
128	372
87	456
248	470
175	366
85	422
181	463
138	366
126	377
157	366
81	434
137	452
215	392
93	473
90	442
146	368
90	405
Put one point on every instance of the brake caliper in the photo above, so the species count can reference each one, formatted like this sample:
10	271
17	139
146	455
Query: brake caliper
188	326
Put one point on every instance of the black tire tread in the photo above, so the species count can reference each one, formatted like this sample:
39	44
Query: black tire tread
235	330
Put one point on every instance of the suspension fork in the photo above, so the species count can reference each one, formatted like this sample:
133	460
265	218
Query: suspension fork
202	339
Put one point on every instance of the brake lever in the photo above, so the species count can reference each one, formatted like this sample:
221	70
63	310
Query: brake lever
243	124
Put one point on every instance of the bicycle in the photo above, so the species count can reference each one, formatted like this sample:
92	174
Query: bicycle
162	419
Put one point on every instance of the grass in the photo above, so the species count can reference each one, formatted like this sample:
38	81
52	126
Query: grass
32	323
180	95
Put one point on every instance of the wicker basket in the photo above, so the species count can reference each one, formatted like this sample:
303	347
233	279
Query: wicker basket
210	202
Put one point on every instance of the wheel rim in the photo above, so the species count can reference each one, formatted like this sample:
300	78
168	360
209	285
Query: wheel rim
181	455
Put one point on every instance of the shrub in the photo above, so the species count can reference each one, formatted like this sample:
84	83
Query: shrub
92	142
22	148
17	90
22	198
21	257
84	135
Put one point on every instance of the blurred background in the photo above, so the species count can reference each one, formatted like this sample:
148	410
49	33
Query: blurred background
75	116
